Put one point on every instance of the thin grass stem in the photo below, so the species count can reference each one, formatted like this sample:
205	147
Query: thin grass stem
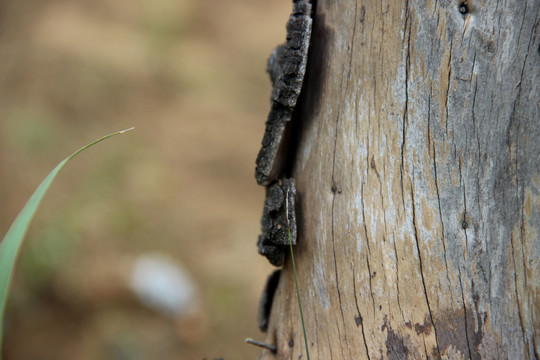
295	276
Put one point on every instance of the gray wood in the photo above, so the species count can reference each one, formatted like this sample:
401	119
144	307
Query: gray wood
418	184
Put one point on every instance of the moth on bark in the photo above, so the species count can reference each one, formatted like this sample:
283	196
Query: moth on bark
286	66
278	217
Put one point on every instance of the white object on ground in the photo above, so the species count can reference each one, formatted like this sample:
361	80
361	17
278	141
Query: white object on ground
163	285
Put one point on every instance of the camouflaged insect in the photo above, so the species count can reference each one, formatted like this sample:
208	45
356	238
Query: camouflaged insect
278	215
287	67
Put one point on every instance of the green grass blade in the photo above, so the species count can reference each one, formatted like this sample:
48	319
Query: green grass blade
298	294
295	276
11	243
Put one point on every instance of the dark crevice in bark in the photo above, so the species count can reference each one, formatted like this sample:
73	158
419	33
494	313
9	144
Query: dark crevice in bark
367	242
336	267
475	130
425	348
473	62
405	110
397	277
526	285
344	336
421	266
406	20
464	314
330	346
448	86
484	236
464	224
443	238
356	116
535	346
334	186
381	192
367	145
361	319
466	251
520	195
429	120
352	41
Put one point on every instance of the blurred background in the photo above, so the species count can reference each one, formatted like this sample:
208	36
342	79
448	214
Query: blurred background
178	191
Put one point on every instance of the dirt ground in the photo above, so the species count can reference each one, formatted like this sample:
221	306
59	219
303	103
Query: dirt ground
190	76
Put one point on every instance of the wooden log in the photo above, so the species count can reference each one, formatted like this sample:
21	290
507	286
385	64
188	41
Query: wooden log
417	168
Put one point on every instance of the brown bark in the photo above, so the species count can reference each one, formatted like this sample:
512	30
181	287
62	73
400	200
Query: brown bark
418	188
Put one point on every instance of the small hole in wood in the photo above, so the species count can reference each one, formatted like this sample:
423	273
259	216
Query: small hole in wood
464	8
291	343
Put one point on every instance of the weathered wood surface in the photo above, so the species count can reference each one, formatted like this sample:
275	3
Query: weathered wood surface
418	180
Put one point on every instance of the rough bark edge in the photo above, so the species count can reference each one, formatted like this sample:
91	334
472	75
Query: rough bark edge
287	67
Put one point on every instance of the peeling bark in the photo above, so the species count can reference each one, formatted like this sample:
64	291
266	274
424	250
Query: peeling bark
417	169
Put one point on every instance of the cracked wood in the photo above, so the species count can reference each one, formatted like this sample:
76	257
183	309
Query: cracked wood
418	201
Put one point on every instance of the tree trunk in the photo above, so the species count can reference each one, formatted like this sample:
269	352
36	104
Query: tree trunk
417	168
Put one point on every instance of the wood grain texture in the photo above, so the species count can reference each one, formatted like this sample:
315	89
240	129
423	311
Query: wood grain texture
418	186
